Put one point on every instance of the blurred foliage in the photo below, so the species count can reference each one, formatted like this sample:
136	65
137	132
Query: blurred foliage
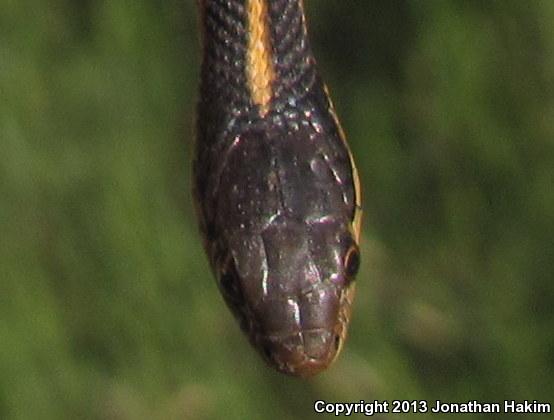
107	306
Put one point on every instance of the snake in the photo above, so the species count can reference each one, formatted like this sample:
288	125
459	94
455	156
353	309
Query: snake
275	185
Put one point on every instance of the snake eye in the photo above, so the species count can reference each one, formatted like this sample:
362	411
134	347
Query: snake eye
266	350
229	282
337	342
352	262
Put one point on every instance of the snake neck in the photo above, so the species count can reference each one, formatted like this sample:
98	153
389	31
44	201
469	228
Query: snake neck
256	55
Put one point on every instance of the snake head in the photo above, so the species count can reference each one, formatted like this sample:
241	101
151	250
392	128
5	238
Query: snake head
284	223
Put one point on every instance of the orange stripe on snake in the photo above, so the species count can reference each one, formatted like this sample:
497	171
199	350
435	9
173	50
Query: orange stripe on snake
260	72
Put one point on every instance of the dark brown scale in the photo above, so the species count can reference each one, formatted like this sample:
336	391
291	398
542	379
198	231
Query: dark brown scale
275	191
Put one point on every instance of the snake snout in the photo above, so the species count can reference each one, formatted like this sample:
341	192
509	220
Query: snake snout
304	353
302	336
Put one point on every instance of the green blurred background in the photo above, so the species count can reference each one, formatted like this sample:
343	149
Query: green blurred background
107	305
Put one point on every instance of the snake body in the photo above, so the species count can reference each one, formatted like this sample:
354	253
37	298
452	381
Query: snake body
275	184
